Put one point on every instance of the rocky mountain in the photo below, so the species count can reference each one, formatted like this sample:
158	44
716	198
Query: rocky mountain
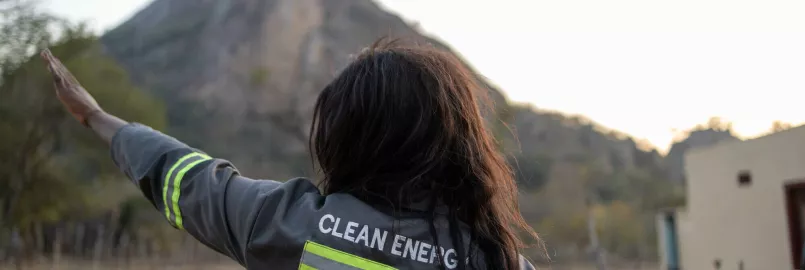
239	78
574	139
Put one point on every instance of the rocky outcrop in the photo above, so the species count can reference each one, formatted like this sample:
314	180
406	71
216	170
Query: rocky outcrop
240	79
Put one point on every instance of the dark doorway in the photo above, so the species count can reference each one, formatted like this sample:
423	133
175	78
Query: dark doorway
795	206
671	240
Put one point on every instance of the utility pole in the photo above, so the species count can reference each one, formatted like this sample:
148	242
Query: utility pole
589	198
600	260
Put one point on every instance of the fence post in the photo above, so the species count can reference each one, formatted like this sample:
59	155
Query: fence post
78	246
98	248
57	248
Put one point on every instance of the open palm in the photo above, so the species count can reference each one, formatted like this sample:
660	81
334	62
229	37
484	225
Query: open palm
74	97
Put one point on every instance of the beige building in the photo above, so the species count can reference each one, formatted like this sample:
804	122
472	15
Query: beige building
744	206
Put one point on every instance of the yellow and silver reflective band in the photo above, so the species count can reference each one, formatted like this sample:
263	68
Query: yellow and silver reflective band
173	183
318	256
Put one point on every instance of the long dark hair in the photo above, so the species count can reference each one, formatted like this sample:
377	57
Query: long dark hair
403	124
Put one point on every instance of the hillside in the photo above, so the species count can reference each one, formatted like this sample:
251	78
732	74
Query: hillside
240	77
573	139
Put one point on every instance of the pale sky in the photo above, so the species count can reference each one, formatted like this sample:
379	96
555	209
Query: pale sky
643	67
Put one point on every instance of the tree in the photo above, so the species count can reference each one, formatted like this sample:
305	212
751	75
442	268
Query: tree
591	178
717	123
50	166
778	126
530	172
620	228
23	30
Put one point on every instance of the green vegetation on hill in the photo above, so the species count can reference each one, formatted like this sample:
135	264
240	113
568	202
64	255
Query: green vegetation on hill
52	170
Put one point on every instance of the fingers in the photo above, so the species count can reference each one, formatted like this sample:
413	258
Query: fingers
45	54
53	63
48	57
61	74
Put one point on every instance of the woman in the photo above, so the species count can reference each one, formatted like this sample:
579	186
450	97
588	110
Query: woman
412	179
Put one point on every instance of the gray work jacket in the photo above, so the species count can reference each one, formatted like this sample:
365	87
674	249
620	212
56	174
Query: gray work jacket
264	224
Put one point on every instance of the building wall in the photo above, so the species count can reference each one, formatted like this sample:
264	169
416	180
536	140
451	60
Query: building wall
732	223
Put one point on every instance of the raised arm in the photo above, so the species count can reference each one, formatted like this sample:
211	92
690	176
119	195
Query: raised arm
79	102
199	194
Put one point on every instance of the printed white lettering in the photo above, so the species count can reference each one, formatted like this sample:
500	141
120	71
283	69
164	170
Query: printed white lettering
395	247
448	261
379	239
363	235
321	223
401	246
433	253
350	230
411	249
424	248
335	227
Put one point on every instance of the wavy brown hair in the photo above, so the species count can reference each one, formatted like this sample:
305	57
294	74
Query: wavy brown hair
403	124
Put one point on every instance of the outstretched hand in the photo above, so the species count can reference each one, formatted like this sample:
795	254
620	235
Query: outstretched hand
74	97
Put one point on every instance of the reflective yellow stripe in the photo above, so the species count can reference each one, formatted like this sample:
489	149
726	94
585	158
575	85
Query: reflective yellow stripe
167	181
177	184
303	266
343	257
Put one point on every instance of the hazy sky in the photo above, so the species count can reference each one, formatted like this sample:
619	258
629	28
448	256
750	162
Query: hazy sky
641	67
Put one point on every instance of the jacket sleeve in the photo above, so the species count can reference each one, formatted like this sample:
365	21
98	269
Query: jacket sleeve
195	192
